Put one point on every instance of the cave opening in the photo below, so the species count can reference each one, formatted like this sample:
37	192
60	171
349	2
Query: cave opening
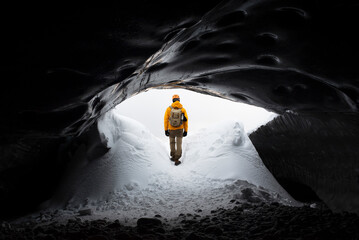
148	108
135	178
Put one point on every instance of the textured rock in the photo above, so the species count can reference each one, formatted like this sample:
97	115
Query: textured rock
256	222
85	212
320	157
149	226
148	222
215	230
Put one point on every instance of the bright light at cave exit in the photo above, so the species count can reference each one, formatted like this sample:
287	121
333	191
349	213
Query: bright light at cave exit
203	110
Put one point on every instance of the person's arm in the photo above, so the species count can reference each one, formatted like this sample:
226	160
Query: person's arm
185	123
166	119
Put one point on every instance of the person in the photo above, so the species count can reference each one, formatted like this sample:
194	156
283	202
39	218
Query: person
176	127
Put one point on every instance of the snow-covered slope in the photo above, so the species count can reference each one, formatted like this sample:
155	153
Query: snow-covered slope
224	151
136	178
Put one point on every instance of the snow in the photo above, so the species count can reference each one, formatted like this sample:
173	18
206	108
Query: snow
136	178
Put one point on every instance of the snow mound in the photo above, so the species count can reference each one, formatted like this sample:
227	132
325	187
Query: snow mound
224	151
135	178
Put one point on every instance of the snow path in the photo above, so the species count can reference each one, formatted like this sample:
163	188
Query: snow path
136	178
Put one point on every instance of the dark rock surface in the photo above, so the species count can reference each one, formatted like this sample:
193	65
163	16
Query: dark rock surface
261	221
322	158
66	65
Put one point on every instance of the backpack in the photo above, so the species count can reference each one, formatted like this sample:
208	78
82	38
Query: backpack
175	117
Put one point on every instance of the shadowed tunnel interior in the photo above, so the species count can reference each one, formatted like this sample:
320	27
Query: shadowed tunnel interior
67	65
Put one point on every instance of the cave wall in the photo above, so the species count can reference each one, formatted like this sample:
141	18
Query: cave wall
317	150
56	58
29	170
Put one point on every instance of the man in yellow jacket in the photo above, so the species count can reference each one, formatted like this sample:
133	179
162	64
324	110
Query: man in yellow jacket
176	127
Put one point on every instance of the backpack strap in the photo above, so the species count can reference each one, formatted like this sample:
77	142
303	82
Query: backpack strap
172	107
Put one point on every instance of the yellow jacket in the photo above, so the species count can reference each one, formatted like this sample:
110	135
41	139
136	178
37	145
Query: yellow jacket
168	126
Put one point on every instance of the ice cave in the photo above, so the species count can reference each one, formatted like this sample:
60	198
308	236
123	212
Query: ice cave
73	166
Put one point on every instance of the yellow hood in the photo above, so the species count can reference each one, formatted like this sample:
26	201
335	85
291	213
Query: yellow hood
177	104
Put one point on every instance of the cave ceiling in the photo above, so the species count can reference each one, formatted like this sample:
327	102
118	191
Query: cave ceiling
70	63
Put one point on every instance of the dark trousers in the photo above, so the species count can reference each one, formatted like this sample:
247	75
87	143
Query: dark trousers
176	143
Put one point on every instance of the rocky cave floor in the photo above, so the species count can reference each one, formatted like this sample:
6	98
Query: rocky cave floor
246	221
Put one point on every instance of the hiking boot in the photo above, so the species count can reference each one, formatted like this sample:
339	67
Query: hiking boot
177	162
172	159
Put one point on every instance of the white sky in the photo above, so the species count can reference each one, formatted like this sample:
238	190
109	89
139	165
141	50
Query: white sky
203	110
